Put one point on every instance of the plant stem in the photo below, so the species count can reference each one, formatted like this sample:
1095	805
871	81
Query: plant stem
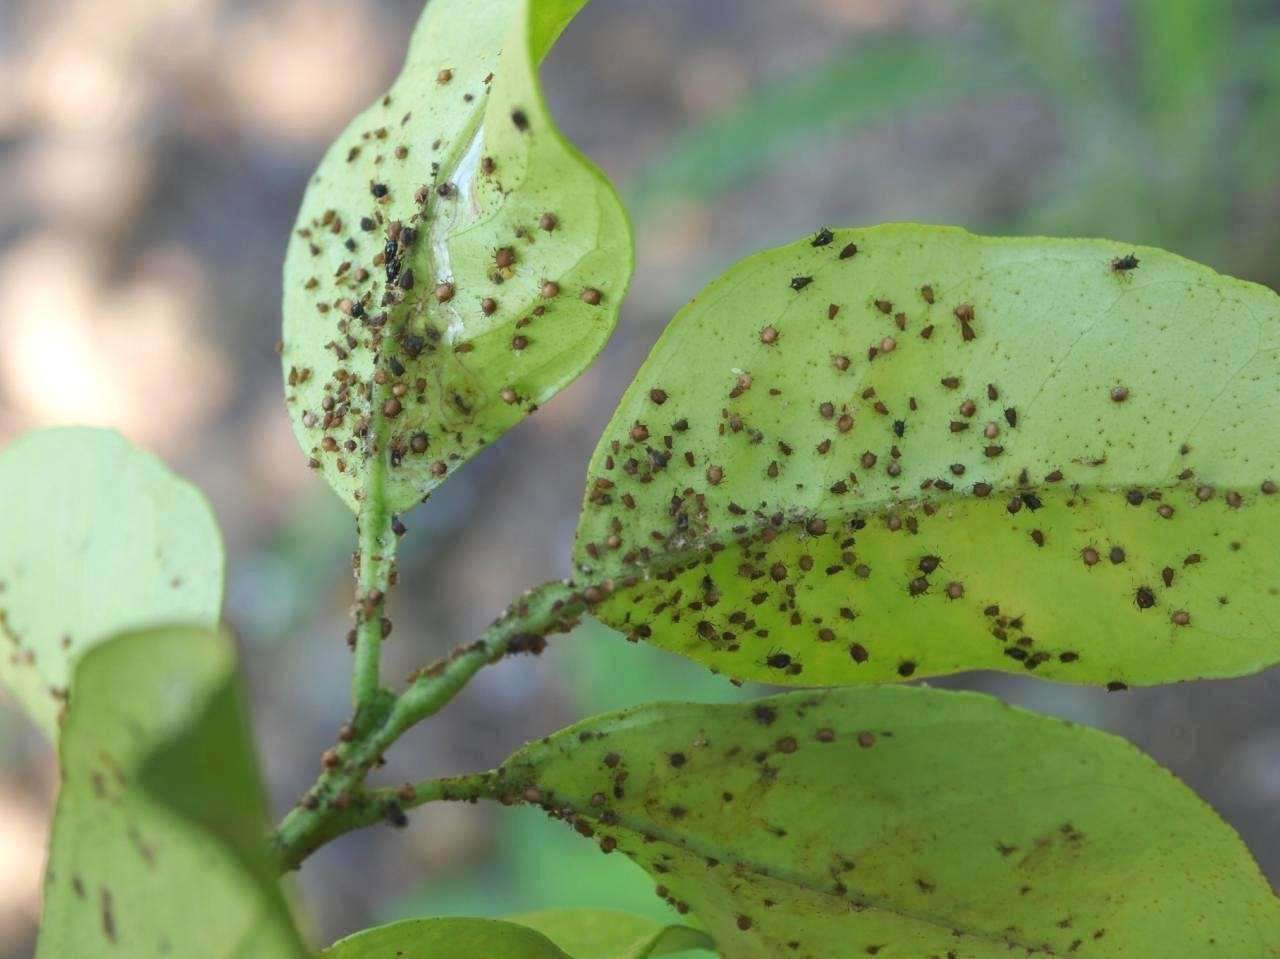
300	836
551	608
377	555
337	802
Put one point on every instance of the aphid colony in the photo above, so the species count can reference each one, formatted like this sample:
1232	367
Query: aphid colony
406	338
630	797
757	551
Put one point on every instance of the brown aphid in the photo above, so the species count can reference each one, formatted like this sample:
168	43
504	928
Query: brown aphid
769	335
1181	618
591	296
1119	394
888	345
926	291
639	433
715	474
418	443
849	249
488	306
1122	264
548	222
841	363
884	306
444	76
508	395
504	258
444	292
866	739
1090	556
487	166
1144	597
519	342
550	289
955	590
391	408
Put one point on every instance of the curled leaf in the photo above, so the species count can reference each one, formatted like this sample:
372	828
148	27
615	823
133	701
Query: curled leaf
907	450
157	843
455	262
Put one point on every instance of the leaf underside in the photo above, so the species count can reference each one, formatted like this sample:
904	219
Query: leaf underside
157	838
455	261
97	537
907	450
900	821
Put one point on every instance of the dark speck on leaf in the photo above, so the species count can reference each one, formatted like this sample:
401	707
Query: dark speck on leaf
800	282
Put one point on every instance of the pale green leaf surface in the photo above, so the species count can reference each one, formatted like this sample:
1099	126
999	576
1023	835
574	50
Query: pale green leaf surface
906	822
158	836
611	933
871	495
463	367
97	537
451	938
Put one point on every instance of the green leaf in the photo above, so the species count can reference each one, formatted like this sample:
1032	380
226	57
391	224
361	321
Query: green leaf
818	476
550	934
452	938
516	272
97	538
902	821
611	934
158	837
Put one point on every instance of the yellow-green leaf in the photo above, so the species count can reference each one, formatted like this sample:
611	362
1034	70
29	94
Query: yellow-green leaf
96	538
907	450
611	933
455	262
158	846
451	938
901	821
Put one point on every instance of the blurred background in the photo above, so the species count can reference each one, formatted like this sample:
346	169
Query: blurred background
152	155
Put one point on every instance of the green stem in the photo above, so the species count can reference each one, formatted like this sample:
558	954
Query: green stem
337	803
551	608
377	556
299	836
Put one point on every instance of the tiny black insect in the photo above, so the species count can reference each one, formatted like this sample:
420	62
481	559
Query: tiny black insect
1122	264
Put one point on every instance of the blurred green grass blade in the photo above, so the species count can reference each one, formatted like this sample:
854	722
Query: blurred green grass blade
1180	46
867	83
1052	43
